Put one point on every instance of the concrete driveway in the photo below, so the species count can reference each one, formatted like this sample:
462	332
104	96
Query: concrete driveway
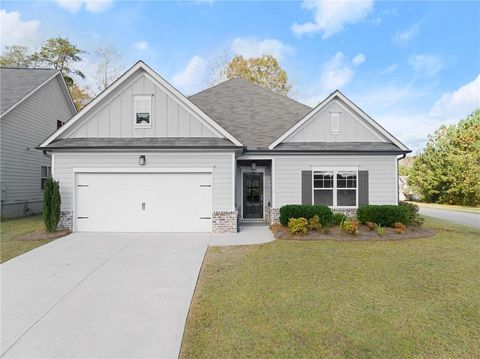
100	296
460	217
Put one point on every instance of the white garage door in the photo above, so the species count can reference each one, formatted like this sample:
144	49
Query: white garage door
143	202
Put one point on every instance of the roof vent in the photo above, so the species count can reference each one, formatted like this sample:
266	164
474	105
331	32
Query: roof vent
335	123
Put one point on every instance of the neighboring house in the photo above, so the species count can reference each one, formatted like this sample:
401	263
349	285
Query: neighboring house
402	188
142	157
34	103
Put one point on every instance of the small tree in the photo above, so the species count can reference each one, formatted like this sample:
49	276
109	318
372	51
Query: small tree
51	204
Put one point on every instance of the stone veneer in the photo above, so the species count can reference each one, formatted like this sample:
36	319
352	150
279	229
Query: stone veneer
349	212
225	222
273	215
66	220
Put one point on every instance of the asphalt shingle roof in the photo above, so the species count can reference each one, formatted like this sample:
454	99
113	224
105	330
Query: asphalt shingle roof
338	146
252	114
15	84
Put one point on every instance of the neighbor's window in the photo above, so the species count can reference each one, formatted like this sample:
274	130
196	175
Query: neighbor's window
60	124
335	122
335	188
46	172
142	105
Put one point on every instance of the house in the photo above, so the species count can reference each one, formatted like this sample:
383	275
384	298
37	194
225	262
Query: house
34	103
142	157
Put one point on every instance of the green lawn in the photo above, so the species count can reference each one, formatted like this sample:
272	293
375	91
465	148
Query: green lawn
332	299
11	229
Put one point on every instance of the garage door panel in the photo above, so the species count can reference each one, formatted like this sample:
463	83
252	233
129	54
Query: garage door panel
144	202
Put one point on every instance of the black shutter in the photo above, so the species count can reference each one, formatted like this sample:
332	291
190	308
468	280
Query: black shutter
307	187
362	187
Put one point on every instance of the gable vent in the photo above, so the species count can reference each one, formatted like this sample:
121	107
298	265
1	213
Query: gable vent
335	122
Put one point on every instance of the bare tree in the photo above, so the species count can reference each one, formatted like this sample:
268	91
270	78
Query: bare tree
108	67
217	70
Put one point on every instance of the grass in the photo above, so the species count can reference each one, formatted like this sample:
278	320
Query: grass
333	299
12	229
449	206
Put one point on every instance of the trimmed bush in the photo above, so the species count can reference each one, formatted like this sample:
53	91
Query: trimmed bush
51	204
338	218
298	225
325	214
414	218
384	215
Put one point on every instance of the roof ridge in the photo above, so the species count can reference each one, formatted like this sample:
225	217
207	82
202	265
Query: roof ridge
27	68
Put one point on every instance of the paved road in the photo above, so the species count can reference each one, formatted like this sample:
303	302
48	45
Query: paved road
460	217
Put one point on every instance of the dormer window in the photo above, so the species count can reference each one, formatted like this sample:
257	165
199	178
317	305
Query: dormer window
335	123
142	107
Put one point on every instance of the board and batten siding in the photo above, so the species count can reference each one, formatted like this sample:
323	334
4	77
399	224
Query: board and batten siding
114	116
352	127
381	172
24	128
221	163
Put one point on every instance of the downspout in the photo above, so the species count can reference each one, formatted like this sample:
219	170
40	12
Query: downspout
398	188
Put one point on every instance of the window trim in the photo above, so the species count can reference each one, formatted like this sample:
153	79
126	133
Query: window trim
335	170
42	178
135	97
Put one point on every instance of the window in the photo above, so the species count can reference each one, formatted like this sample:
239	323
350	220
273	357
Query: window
335	122
142	105
46	172
336	188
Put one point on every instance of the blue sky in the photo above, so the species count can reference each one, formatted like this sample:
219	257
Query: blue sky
411	65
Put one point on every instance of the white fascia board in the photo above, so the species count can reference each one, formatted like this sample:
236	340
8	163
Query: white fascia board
31	93
357	109
121	80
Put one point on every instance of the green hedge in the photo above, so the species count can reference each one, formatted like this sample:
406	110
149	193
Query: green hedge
51	204
324	213
384	215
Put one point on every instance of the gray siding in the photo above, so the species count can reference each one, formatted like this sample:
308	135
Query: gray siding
381	173
114	116
352	127
23	128
222	171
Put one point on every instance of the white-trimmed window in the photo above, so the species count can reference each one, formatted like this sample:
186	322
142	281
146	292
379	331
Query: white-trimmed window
46	171
335	187
335	123
142	111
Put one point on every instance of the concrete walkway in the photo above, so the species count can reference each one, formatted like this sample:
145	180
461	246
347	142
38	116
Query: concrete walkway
460	217
105	295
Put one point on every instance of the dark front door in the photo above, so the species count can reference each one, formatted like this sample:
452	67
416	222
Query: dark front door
253	195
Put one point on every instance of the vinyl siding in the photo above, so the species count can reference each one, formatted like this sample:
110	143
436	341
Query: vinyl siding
220	162
23	128
352	127
114	116
381	172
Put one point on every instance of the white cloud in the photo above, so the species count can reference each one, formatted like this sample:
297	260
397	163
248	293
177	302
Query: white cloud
89	5
330	17
141	45
458	104
192	77
359	59
13	30
426	65
250	47
404	37
389	69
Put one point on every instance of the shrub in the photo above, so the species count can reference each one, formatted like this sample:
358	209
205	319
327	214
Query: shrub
298	225
384	215
380	230
314	223
414	218
51	204
325	214
349	226
400	228
338	218
371	226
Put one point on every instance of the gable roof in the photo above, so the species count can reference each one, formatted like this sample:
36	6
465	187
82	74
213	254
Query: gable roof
357	109
253	114
17	84
159	80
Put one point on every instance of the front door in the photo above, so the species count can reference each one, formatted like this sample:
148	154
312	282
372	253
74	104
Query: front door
253	195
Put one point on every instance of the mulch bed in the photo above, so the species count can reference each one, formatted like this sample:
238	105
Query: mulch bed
42	235
364	234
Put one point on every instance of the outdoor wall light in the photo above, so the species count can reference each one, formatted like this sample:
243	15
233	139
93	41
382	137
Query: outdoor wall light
142	160
254	166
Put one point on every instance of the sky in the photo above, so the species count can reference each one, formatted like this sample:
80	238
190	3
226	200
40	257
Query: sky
412	66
